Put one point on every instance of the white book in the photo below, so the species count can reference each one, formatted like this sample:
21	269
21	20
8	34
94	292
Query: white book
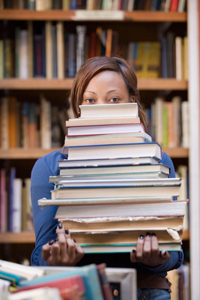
109	110
17	205
80	49
185	124
60	49
181	5
124	150
178	55
176	102
48	50
23	55
159	120
167	5
37	294
4	287
130	6
30	49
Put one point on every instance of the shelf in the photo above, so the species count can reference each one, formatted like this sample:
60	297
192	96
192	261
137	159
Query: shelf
29	237
34	153
66	84
69	15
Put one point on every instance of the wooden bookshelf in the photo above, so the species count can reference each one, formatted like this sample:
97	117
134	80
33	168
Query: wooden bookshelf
34	153
29	237
66	84
69	15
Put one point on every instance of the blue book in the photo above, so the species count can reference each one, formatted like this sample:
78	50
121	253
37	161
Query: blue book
54	56
12	177
89	274
73	4
164	58
14	279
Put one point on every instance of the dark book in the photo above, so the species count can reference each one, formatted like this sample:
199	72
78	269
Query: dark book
37	42
164	67
43	52
170	38
73	4
57	4
54	50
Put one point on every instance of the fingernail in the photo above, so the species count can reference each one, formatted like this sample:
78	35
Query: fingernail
133	250
60	226
74	240
164	253
66	231
51	242
148	234
153	234
141	237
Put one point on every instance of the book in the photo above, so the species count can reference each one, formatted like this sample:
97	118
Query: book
105	110
185	124
3	198
123	191
102	121
65	163
104	200
125	236
64	182
23	54
80	55
178	59
125	248
174	5
136	137
12	121
114	151
89	274
60	49
103	129
62	285
19	272
105	286
41	293
17	205
49	50
115	223
172	208
124	169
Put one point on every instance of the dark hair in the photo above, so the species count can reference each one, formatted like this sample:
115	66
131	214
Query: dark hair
96	65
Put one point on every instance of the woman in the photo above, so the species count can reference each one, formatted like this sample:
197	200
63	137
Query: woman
100	80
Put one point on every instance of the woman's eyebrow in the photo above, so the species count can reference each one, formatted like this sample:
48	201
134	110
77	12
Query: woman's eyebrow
111	91
90	92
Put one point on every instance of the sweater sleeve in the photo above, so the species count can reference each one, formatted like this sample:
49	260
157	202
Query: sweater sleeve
43	219
176	257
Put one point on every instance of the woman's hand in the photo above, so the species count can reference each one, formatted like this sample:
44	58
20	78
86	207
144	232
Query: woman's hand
62	252
147	252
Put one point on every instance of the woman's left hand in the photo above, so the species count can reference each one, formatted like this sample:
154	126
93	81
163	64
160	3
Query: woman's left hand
147	252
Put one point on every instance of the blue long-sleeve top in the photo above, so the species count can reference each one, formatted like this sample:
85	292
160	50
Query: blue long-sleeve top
45	224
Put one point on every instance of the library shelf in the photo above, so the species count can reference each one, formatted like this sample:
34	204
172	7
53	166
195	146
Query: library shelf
70	15
66	84
29	237
34	153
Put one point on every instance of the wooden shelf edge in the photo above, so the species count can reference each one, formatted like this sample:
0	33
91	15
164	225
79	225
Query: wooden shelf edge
176	152
69	15
20	153
29	237
34	153
66	84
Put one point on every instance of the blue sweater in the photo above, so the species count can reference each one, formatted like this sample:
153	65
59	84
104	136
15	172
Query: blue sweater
45	225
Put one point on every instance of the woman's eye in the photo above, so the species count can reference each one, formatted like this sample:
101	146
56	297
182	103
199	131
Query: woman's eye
90	101
114	100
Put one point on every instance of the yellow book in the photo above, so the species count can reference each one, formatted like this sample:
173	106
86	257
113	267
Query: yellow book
185	58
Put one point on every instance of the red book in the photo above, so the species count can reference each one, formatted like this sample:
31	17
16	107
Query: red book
67	287
174	5
105	286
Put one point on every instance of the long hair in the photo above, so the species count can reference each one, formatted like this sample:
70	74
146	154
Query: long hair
96	65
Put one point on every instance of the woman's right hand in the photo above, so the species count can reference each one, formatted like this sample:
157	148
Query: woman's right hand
62	252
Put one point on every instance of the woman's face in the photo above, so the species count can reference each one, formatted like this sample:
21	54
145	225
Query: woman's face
107	87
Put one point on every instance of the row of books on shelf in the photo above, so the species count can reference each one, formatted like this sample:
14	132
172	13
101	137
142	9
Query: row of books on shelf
90	282
31	125
56	52
130	5
15	202
113	184
168	122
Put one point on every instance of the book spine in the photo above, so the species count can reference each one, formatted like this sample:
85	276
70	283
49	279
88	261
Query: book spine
80	55
60	50
30	48
17	191
55	59
48	50
23	54
3	207
4	124
11	191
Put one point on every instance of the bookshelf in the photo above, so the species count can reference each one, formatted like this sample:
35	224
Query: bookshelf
140	19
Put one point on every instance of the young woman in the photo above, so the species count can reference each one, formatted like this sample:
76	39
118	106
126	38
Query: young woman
101	80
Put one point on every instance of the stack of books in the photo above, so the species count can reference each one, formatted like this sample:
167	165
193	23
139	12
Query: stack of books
18	282
113	188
